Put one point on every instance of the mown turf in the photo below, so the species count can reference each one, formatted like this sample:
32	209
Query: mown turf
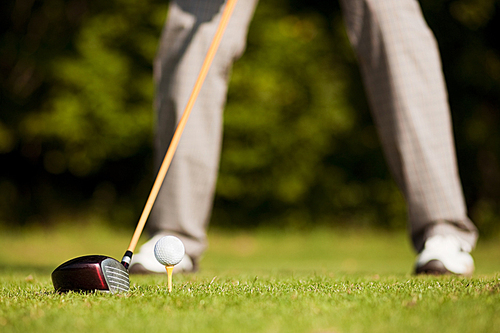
322	281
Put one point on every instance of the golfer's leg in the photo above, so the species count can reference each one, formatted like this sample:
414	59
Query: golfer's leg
185	200
402	72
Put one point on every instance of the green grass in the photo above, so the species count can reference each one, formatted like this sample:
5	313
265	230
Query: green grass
267	281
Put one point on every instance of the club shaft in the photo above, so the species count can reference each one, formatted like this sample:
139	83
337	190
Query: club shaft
226	15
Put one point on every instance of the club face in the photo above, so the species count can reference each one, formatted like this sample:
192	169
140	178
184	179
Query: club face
91	273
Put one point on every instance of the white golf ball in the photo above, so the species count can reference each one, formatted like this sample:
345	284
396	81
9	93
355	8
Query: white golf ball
169	250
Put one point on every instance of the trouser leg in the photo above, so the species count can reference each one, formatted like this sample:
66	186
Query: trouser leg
401	69
184	203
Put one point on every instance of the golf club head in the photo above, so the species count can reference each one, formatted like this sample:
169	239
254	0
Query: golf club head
91	273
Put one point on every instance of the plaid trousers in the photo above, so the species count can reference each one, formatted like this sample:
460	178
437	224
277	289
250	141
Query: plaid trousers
402	73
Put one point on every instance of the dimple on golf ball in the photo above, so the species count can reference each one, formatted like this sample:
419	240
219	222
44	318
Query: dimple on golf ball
169	250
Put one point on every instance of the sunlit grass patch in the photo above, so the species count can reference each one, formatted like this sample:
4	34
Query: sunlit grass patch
264	281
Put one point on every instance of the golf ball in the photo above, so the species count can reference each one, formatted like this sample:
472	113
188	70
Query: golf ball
169	250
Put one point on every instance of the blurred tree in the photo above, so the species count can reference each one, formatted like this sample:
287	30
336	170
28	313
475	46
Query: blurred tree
299	144
296	150
348	180
467	32
76	117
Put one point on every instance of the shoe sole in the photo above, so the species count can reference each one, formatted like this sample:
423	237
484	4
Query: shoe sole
433	267
436	267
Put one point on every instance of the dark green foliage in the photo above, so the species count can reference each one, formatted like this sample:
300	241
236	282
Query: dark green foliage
76	119
467	33
83	138
289	154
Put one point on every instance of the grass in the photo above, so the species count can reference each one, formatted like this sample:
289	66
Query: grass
268	281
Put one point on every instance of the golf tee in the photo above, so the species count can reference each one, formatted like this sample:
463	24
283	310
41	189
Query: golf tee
169	277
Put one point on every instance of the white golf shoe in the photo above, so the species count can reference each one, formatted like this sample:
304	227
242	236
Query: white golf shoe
144	262
445	255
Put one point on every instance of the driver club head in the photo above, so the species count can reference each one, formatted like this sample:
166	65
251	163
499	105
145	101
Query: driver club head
91	273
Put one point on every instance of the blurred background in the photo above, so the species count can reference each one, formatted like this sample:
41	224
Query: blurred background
300	149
